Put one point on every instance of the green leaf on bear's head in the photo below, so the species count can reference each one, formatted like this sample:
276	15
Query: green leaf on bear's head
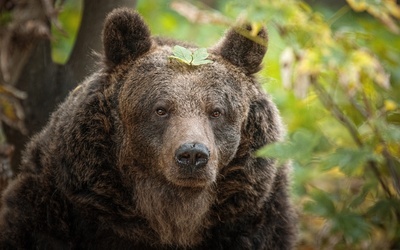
182	54
198	57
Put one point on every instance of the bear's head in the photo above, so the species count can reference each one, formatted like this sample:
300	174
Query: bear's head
183	124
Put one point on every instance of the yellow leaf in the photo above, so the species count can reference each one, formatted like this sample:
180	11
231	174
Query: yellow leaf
255	28
390	105
357	5
379	149
393	8
394	149
335	173
384	10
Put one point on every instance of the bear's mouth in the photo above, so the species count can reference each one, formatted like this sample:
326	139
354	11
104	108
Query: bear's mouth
186	177
192	182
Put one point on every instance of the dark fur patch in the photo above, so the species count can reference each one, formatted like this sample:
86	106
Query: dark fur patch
242	50
125	36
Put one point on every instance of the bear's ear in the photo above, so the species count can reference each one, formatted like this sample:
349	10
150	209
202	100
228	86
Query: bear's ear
263	126
242	49
125	35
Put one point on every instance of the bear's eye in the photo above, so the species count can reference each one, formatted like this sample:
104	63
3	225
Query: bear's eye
216	113
161	112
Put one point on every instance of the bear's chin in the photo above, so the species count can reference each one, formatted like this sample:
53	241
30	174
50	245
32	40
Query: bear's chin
191	182
177	210
191	179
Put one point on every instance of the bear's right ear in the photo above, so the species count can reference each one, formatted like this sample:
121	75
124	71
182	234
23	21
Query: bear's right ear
125	35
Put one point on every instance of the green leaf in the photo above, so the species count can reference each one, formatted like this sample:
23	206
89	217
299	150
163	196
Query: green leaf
279	150
360	198
322	205
301	146
200	57
384	211
348	160
182	54
390	132
353	226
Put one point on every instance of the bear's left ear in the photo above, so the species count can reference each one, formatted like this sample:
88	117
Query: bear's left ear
125	35
243	50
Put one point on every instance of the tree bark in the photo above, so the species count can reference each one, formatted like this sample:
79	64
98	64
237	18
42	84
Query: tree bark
89	40
47	83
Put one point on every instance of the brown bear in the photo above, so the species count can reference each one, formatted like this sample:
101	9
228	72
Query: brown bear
153	153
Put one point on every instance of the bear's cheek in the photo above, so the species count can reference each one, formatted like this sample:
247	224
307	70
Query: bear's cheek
189	157
227	139
142	143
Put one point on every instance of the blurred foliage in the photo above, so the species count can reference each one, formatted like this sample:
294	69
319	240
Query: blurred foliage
334	73
11	111
63	40
343	116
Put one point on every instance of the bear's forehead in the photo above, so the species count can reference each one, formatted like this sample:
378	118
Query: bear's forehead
157	78
157	66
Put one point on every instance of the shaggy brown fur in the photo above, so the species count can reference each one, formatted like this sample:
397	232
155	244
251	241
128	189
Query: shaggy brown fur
150	153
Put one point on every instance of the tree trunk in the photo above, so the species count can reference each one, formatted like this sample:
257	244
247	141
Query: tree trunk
47	83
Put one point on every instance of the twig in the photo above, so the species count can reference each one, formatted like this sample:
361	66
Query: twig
331	106
392	168
359	108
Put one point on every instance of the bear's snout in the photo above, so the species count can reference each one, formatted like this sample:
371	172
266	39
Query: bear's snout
190	159
192	156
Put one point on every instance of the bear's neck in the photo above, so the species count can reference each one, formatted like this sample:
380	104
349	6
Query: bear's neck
178	215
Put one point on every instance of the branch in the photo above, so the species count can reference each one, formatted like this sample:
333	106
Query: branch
330	105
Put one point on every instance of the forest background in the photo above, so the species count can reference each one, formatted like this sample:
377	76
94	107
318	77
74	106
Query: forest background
332	67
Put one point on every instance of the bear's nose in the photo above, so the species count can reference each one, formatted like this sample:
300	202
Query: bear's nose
193	155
